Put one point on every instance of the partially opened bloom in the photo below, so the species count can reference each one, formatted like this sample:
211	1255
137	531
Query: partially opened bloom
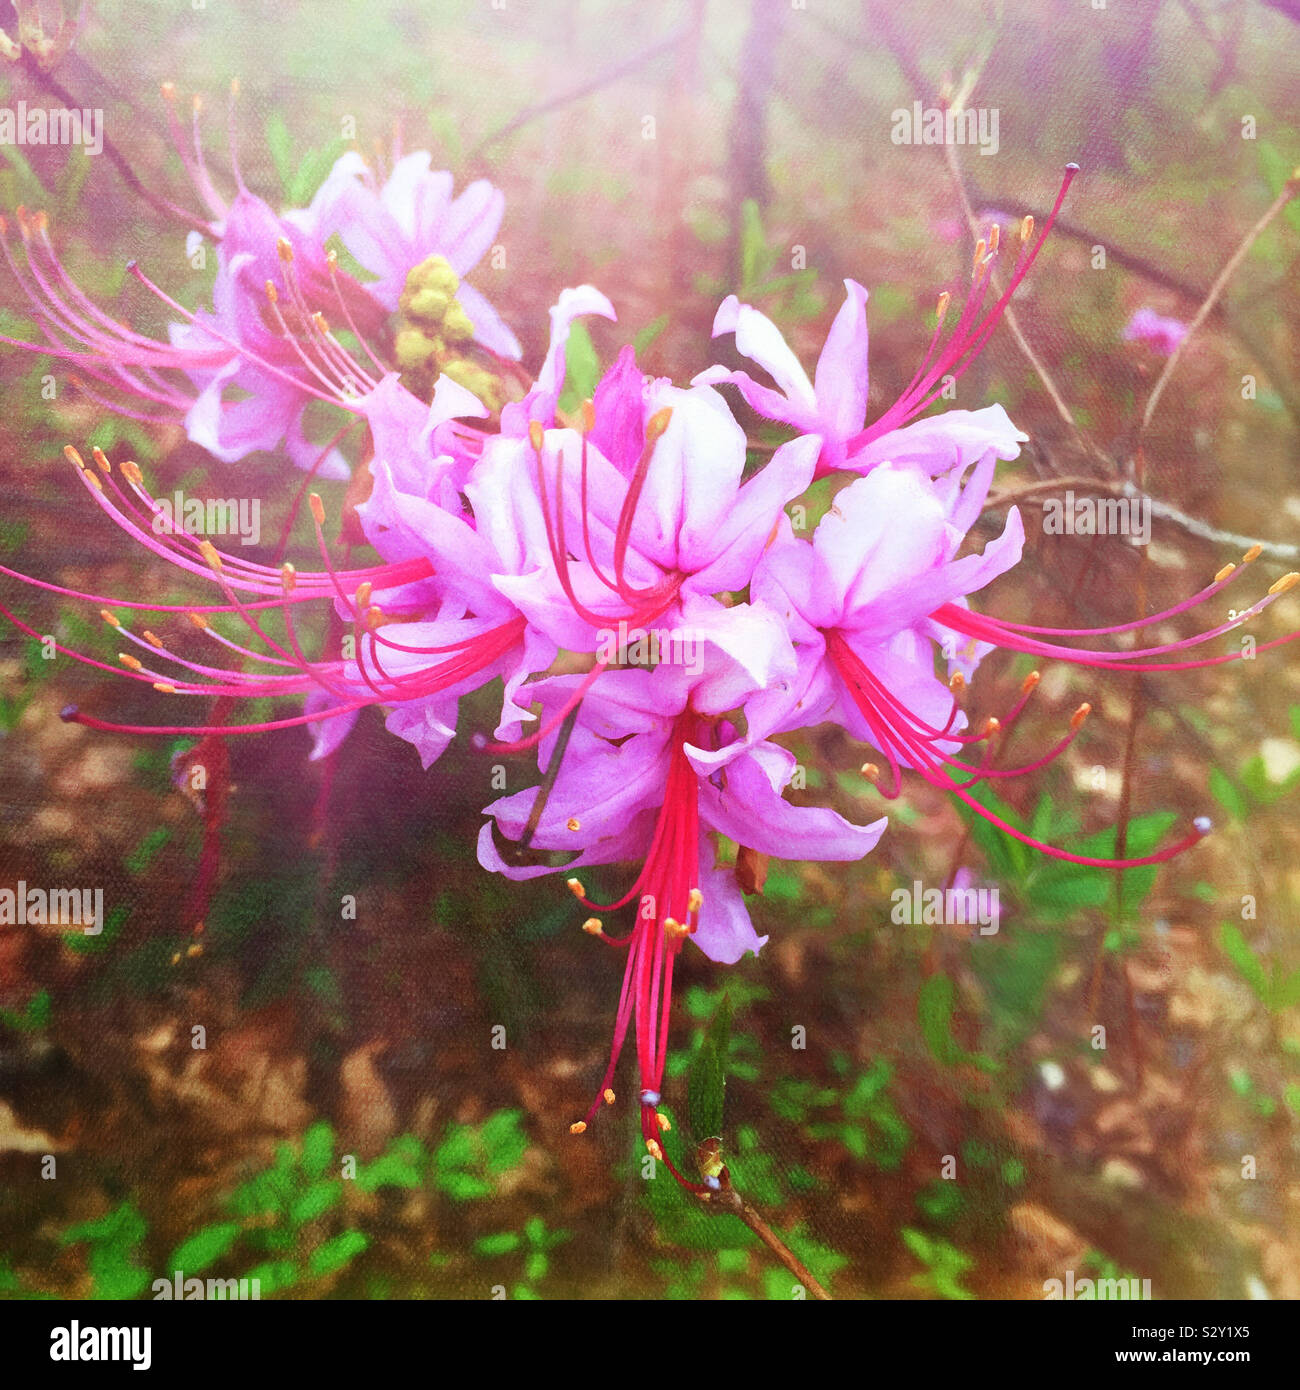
651	770
390	228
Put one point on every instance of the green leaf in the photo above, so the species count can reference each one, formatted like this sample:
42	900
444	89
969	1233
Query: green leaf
934	1007
1227	794
279	144
143	854
399	1165
649	333
1277	170
755	259
706	1083
505	1140
319	1198
204	1247
464	1187
1286	992
33	1017
336	1253
502	1243
581	369
273	1276
318	1149
1247	962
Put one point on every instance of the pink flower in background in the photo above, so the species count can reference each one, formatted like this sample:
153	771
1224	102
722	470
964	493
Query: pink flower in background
1159	333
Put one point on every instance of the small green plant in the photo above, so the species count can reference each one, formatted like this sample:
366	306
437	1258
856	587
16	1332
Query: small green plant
470	1160
945	1265
113	1244
860	1115
1274	989
534	1243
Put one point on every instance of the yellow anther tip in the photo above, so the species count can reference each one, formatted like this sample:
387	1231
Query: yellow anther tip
1288	581
109	618
1077	718
580	1127
608	1096
593	926
573	823
658	423
317	508
536	435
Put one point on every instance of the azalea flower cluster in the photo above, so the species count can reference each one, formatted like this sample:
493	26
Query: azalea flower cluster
639	589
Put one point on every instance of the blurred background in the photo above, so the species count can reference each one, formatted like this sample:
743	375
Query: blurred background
672	154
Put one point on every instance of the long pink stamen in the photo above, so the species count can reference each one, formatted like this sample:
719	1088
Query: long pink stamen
893	738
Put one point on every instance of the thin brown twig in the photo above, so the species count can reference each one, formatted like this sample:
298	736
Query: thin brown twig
1289	191
730	1201
582	89
1163	511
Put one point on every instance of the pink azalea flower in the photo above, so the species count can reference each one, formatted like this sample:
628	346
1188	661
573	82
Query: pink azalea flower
240	377
633	785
